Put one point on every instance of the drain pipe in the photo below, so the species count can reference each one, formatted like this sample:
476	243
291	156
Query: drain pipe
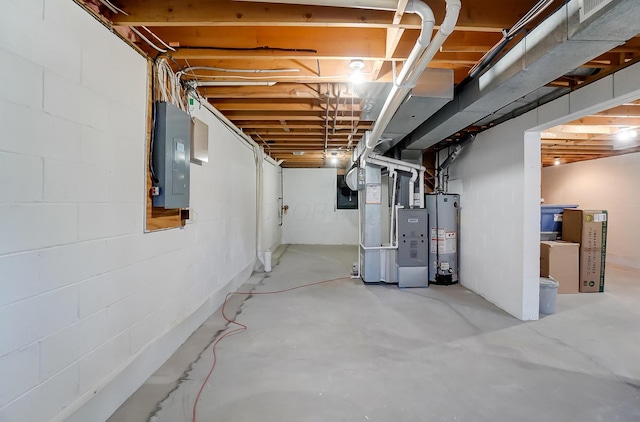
418	59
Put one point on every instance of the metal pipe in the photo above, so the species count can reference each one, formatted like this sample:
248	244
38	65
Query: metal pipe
335	115
326	125
451	158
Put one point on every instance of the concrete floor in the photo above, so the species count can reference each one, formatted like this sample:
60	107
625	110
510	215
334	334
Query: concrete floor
343	351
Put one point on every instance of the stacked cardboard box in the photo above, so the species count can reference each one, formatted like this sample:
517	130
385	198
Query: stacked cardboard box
589	228
559	260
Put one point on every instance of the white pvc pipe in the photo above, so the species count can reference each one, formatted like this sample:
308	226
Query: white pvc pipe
421	188
412	187
397	162
418	59
267	261
394	176
414	169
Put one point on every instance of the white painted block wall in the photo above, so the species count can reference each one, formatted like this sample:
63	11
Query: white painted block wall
271	206
90	306
496	178
611	183
312	217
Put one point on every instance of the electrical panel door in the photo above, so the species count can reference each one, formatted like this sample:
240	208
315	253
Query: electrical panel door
171	155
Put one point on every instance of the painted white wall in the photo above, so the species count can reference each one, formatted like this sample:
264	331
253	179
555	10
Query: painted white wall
609	183
90	306
495	176
499	179
271	206
312	217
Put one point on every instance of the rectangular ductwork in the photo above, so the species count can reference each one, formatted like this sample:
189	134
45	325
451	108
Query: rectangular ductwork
561	43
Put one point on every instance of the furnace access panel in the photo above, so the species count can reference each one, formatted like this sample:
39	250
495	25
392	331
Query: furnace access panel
171	155
412	238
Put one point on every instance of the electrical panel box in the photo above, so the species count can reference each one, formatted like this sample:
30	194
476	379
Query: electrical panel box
171	155
412	238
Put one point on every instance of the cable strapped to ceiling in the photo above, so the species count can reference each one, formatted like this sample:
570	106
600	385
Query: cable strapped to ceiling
260	48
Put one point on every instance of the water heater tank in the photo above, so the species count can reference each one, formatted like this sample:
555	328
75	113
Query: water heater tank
443	221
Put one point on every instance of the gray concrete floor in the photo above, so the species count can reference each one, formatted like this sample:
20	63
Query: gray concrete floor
343	351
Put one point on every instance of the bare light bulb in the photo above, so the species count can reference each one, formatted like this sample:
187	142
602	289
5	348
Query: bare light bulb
556	162
356	67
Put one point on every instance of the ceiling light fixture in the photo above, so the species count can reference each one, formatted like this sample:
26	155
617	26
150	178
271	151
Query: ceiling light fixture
626	134
556	161
356	67
298	152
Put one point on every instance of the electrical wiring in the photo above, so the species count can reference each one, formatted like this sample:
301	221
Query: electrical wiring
507	36
112	7
165	87
242	328
224	70
168	85
152	45
276	77
159	39
264	47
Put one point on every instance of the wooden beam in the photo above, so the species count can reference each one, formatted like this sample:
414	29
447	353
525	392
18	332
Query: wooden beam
254	125
305	42
476	15
289	117
622	111
282	105
277	91
599	119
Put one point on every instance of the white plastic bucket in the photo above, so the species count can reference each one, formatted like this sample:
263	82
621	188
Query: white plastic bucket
548	293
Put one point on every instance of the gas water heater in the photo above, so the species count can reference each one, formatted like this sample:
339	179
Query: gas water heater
443	221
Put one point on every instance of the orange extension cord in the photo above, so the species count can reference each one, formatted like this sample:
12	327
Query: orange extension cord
243	328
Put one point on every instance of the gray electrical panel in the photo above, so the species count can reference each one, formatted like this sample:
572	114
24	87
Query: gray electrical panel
171	155
413	251
443	211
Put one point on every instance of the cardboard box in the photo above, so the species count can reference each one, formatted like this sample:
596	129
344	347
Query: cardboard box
589	228
560	260
586	227
592	263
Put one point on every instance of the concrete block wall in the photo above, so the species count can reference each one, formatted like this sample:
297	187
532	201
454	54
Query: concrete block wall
312	217
499	179
90	305
272	185
491	177
607	183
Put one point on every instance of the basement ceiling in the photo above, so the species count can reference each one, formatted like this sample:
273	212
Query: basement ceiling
281	72
612	132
